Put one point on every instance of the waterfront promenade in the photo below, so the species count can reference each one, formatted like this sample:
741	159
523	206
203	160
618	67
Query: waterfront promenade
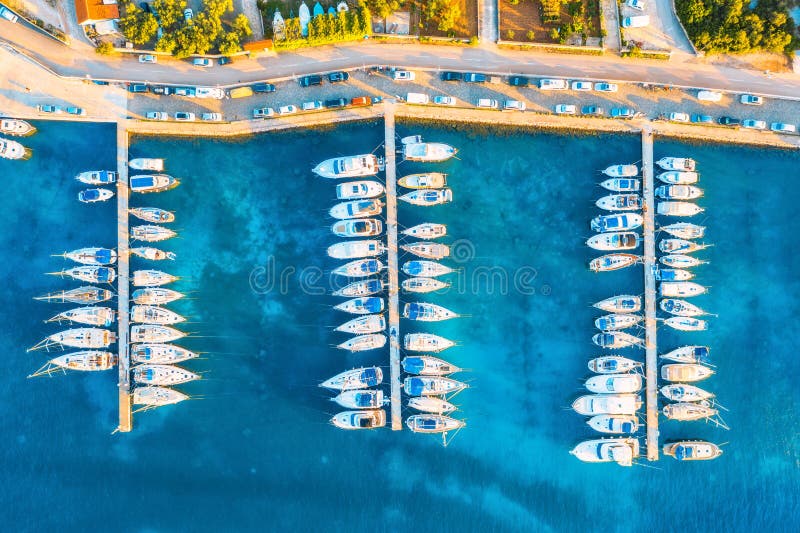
123	275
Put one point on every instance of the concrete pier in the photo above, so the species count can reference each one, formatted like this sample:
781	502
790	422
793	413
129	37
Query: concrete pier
123	271
394	288
651	345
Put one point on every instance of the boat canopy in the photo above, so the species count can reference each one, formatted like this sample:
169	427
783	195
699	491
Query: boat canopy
413	365
683	452
142	182
369	376
91	194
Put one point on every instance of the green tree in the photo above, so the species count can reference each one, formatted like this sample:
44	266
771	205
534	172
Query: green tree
444	13
105	48
241	25
170	12
229	43
166	43
136	25
383	8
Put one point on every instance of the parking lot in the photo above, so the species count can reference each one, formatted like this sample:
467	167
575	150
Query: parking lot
664	31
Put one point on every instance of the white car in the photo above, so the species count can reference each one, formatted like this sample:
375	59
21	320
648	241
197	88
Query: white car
444	100
287	109
751	124
581	86
678	117
263	112
202	62
604	87
709	96
157	115
8	14
183	116
548	84
487	103
311	106
751	99
566	109
417	98
635	4
782	127
639	21
513	105
403	75
211	117
147	58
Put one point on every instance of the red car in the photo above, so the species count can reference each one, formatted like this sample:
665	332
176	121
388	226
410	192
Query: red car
361	101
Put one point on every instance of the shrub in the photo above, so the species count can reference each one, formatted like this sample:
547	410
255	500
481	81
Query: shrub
530	35
510	35
105	49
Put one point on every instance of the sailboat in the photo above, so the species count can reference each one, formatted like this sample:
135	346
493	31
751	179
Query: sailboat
672	274
678	209
680	246
426	342
151	233
366	287
616	339
89	273
620	304
358	378
427	230
678	192
682	372
678	177
431	423
361	306
153	254
427	312
620	450
621	171
151	278
432	386
359	227
356	249
155	333
427	269
612	364
360	399
616	321
153	314
363	343
689	411
680	261
155	296
427	365
151	374
359	268
685	230
429	180
92	256
614	423
431	404
423	285
356	209
682	392
90	315
81	295
160	353
686	323
428	197
363	325
681	289
84	361
153	214
78	338
678	307
370	419
157	396
147	163
609	262
427	250
689	354
614	383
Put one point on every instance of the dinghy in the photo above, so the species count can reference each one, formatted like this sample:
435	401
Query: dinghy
621	171
683	372
428	197
427	365
153	214
91	196
617	222
621	184
423	285
680	289
147	183
151	278
147	163
678	192
427	312
366	287
620	451
92	316
681	392
359	268
684	230
678	178
89	273
686	323
361	306
609	262
81	295
430	423
680	246
672	274
689	354
692	450
677	307
155	296
614	423
153	314
360	399
159	353
430	180
153	254
155	333
426	342
370	419
431	386
682	164
614	383
356	209
616	339
620	304
689	411
623	240
92	256
427	250
616	321
431	404
426	269
612	364
358	378
678	209
357	190
363	227
151	233
355	166
150	374
356	249
427	230
97	177
363	343
607	404
153	396
364	325
620	202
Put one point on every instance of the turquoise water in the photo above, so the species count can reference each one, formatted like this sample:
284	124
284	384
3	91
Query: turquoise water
254	451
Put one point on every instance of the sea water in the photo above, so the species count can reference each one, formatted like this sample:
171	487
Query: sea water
253	449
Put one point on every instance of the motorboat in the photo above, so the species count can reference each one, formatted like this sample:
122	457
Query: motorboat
426	342
685	372
12	149
90	315
678	307
92	256
692	450
678	177
612	364
81	295
431	404
153	396
680	261
427	312
689	411
678	209
620	202
366	287
620	304
428	152
153	314
616	339
689	354
151	278
609	262
607	404
155	296
682	164
686	323
155	333
678	192
427	230
363	325
423	285
429	180
621	184
78	338
672	274
614	423
151	374
623	240
153	214
431	423
357	378
427	250
359	268
356	249
684	230
425	269
363	343
360	399
680	289
151	233
153	254
680	246
620	451
16	127
428	197
147	163
362	227
355	166
617	222
147	183
160	353
89	273
621	171
361	306
85	361
682	392
91	196
614	383
427	365
617	321
97	177
369	419
432	386
356	209
357	190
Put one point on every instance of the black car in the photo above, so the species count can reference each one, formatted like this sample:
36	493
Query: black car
308	81
593	110
518	81
729	121
335	103
337	77
474	77
137	88
452	76
224	61
263	88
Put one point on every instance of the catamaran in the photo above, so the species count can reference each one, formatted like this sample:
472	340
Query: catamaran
366	287
620	451
92	256
678	307
614	423
363	325
681	392
428	197
432	386
614	383
426	269
16	127
361	306
620	202
609	262
356	249
427	230
155	333
427	250
151	233
423	285
689	354
430	180
679	192
356	190
682	372
616	321
155	296
683	164
356	209
91	315
153	254
430	423
621	184
427	365
427	312
91	196
153	214
12	149
414	150
363	227
680	261
621	171
678	178
81	295
147	163
160	353
611	364
359	419
623	240
431	404
157	396
360	399
607	404
78	338
152	278
616	339
151	374
89	273
678	209
620	304
363	343
146	183
97	177
426	342
358	378
680	289
685	230
153	314
680	246
348	167
692	450
359	268
617	222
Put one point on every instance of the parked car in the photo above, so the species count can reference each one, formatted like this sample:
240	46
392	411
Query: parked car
623	112
487	103
709	96
147	58
263	88
417	98
754	124
156	115
474	77
308	81
161	89
263	112
338	77
211	117
188	92
8	14
137	88
639	21
335	103
78	111
183	116
403	75
187	14
202	62
751	99
782	127
566	109
361	101
513	105
287	110
47	108
605	87
311	106
728	121
593	110
548	84
581	86
518	81
451	76
702	119
225	60
444	100
635	4
678	117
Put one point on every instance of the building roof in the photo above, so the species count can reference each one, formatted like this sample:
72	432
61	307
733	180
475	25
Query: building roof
258	46
94	10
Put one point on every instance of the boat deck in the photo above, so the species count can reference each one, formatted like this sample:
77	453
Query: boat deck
391	236
123	272
651	345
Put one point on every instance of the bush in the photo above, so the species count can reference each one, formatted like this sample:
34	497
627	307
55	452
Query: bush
105	49
530	35
510	35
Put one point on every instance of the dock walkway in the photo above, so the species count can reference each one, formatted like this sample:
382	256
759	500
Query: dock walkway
123	271
651	345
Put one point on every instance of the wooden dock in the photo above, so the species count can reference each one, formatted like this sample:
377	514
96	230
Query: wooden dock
651	345
123	271
394	288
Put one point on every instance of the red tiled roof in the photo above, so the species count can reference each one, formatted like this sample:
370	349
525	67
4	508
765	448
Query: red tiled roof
94	10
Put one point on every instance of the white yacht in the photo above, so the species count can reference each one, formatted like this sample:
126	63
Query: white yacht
620	304
682	392
428	152
90	315
680	289
430	423
362	343
617	321
153	254
360	227
157	396
620	451
155	333
614	383
425	269
151	278
155	296
153	214
430	180
90	338
355	166
685	230
427	250
427	365
371	419
678	307
428	197
97	177
86	361
150	374
686	323
356	249
427	312
154	314
620	202
609	262
16	127
366	287
607	404
622	240
89	273
146	183
680	246
613	364
680	261
614	423
432	386
426	342
678	178
685	372
431	404
692	450
361	306
359	268
678	209
621	184
681	164
12	149
80	295
672	274
360	399
357	190
616	339
621	171
678	192
147	163
364	325
423	285
689	354
689	411
426	230
160	353
356	209
149	233
617	222
91	196
92	256
357	378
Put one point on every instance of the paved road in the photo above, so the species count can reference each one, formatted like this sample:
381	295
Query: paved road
694	74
